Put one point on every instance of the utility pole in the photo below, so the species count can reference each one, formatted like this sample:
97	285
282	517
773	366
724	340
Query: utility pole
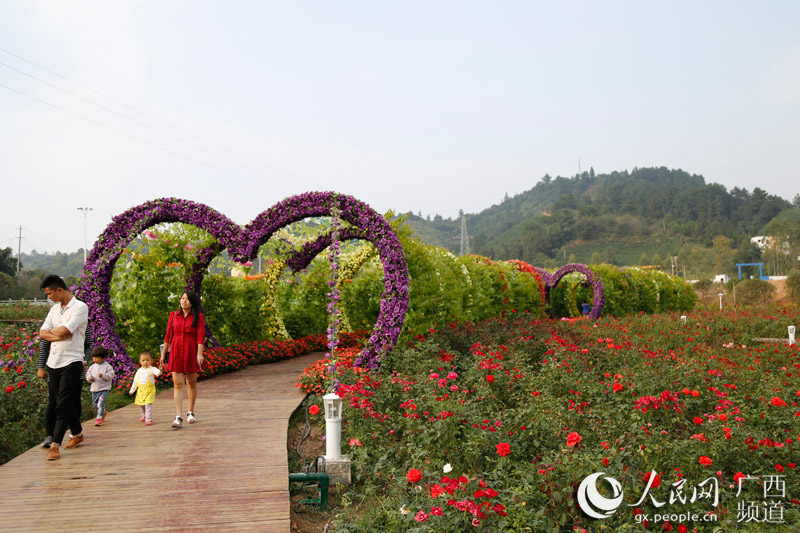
85	211
19	251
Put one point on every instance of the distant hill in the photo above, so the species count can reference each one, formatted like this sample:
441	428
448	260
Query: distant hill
648	216
619	216
60	263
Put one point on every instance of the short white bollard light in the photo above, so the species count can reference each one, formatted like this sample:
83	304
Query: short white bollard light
720	300
333	426
335	465
791	334
683	319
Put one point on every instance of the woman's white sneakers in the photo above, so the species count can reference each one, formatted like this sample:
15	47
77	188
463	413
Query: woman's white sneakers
177	423
190	417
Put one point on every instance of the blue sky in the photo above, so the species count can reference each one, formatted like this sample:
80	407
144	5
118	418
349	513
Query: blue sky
423	106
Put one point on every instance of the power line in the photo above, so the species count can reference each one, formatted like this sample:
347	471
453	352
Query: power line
140	123
41	239
144	141
154	117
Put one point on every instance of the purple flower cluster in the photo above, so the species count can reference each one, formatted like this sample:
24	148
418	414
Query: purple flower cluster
598	295
243	245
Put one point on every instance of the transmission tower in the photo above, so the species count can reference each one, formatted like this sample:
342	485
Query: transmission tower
464	236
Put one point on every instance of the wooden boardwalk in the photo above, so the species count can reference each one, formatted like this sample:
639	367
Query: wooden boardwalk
226	472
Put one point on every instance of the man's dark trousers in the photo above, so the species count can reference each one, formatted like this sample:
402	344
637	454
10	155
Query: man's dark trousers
65	392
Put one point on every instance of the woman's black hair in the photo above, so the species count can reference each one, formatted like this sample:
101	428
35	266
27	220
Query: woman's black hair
194	299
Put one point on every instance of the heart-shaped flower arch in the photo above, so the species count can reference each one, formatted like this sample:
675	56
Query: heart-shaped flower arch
243	245
598	295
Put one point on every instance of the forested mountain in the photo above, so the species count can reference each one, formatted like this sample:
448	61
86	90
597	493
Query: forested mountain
650	211
63	264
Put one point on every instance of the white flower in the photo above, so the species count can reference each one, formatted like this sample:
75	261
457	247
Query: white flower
403	510
447	468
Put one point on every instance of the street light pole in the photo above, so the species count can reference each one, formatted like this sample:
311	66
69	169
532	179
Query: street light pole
85	211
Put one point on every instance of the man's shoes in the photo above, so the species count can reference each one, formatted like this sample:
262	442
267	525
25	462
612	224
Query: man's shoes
48	440
98	422
190	417
53	453
177	423
74	441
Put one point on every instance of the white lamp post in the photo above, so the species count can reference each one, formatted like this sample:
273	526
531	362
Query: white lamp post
85	211
791	334
333	426
720	300
683	319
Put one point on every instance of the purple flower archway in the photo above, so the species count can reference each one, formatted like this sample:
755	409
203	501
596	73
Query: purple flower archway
243	245
303	257
598	295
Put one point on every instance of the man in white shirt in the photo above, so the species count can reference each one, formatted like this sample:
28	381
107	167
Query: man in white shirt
65	329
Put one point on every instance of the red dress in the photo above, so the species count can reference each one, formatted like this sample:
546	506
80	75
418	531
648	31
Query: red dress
183	339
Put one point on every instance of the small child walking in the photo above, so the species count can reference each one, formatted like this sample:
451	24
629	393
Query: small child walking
144	385
100	375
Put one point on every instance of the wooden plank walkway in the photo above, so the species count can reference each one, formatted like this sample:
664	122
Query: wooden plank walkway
226	472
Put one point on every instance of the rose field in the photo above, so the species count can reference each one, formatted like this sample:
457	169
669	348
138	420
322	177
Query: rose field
492	426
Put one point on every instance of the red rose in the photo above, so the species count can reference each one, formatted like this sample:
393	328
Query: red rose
414	475
503	449
489	378
705	460
777	402
697	420
656	479
682	528
573	439
314	409
617	387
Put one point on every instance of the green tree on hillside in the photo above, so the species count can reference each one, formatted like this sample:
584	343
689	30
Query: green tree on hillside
8	287
723	254
8	263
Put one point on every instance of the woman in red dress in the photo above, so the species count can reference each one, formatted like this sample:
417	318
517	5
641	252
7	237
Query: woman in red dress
185	337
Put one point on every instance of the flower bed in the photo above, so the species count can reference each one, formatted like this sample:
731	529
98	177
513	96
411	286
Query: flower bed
224	359
494	426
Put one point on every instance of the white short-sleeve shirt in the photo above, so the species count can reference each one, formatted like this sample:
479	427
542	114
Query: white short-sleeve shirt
74	316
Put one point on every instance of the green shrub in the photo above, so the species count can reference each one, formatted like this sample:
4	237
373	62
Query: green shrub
754	292
793	286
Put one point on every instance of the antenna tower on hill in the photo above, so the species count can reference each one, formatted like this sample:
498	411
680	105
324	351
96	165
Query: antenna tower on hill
464	249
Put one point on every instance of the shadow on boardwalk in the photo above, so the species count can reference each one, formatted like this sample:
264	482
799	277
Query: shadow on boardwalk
228	471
